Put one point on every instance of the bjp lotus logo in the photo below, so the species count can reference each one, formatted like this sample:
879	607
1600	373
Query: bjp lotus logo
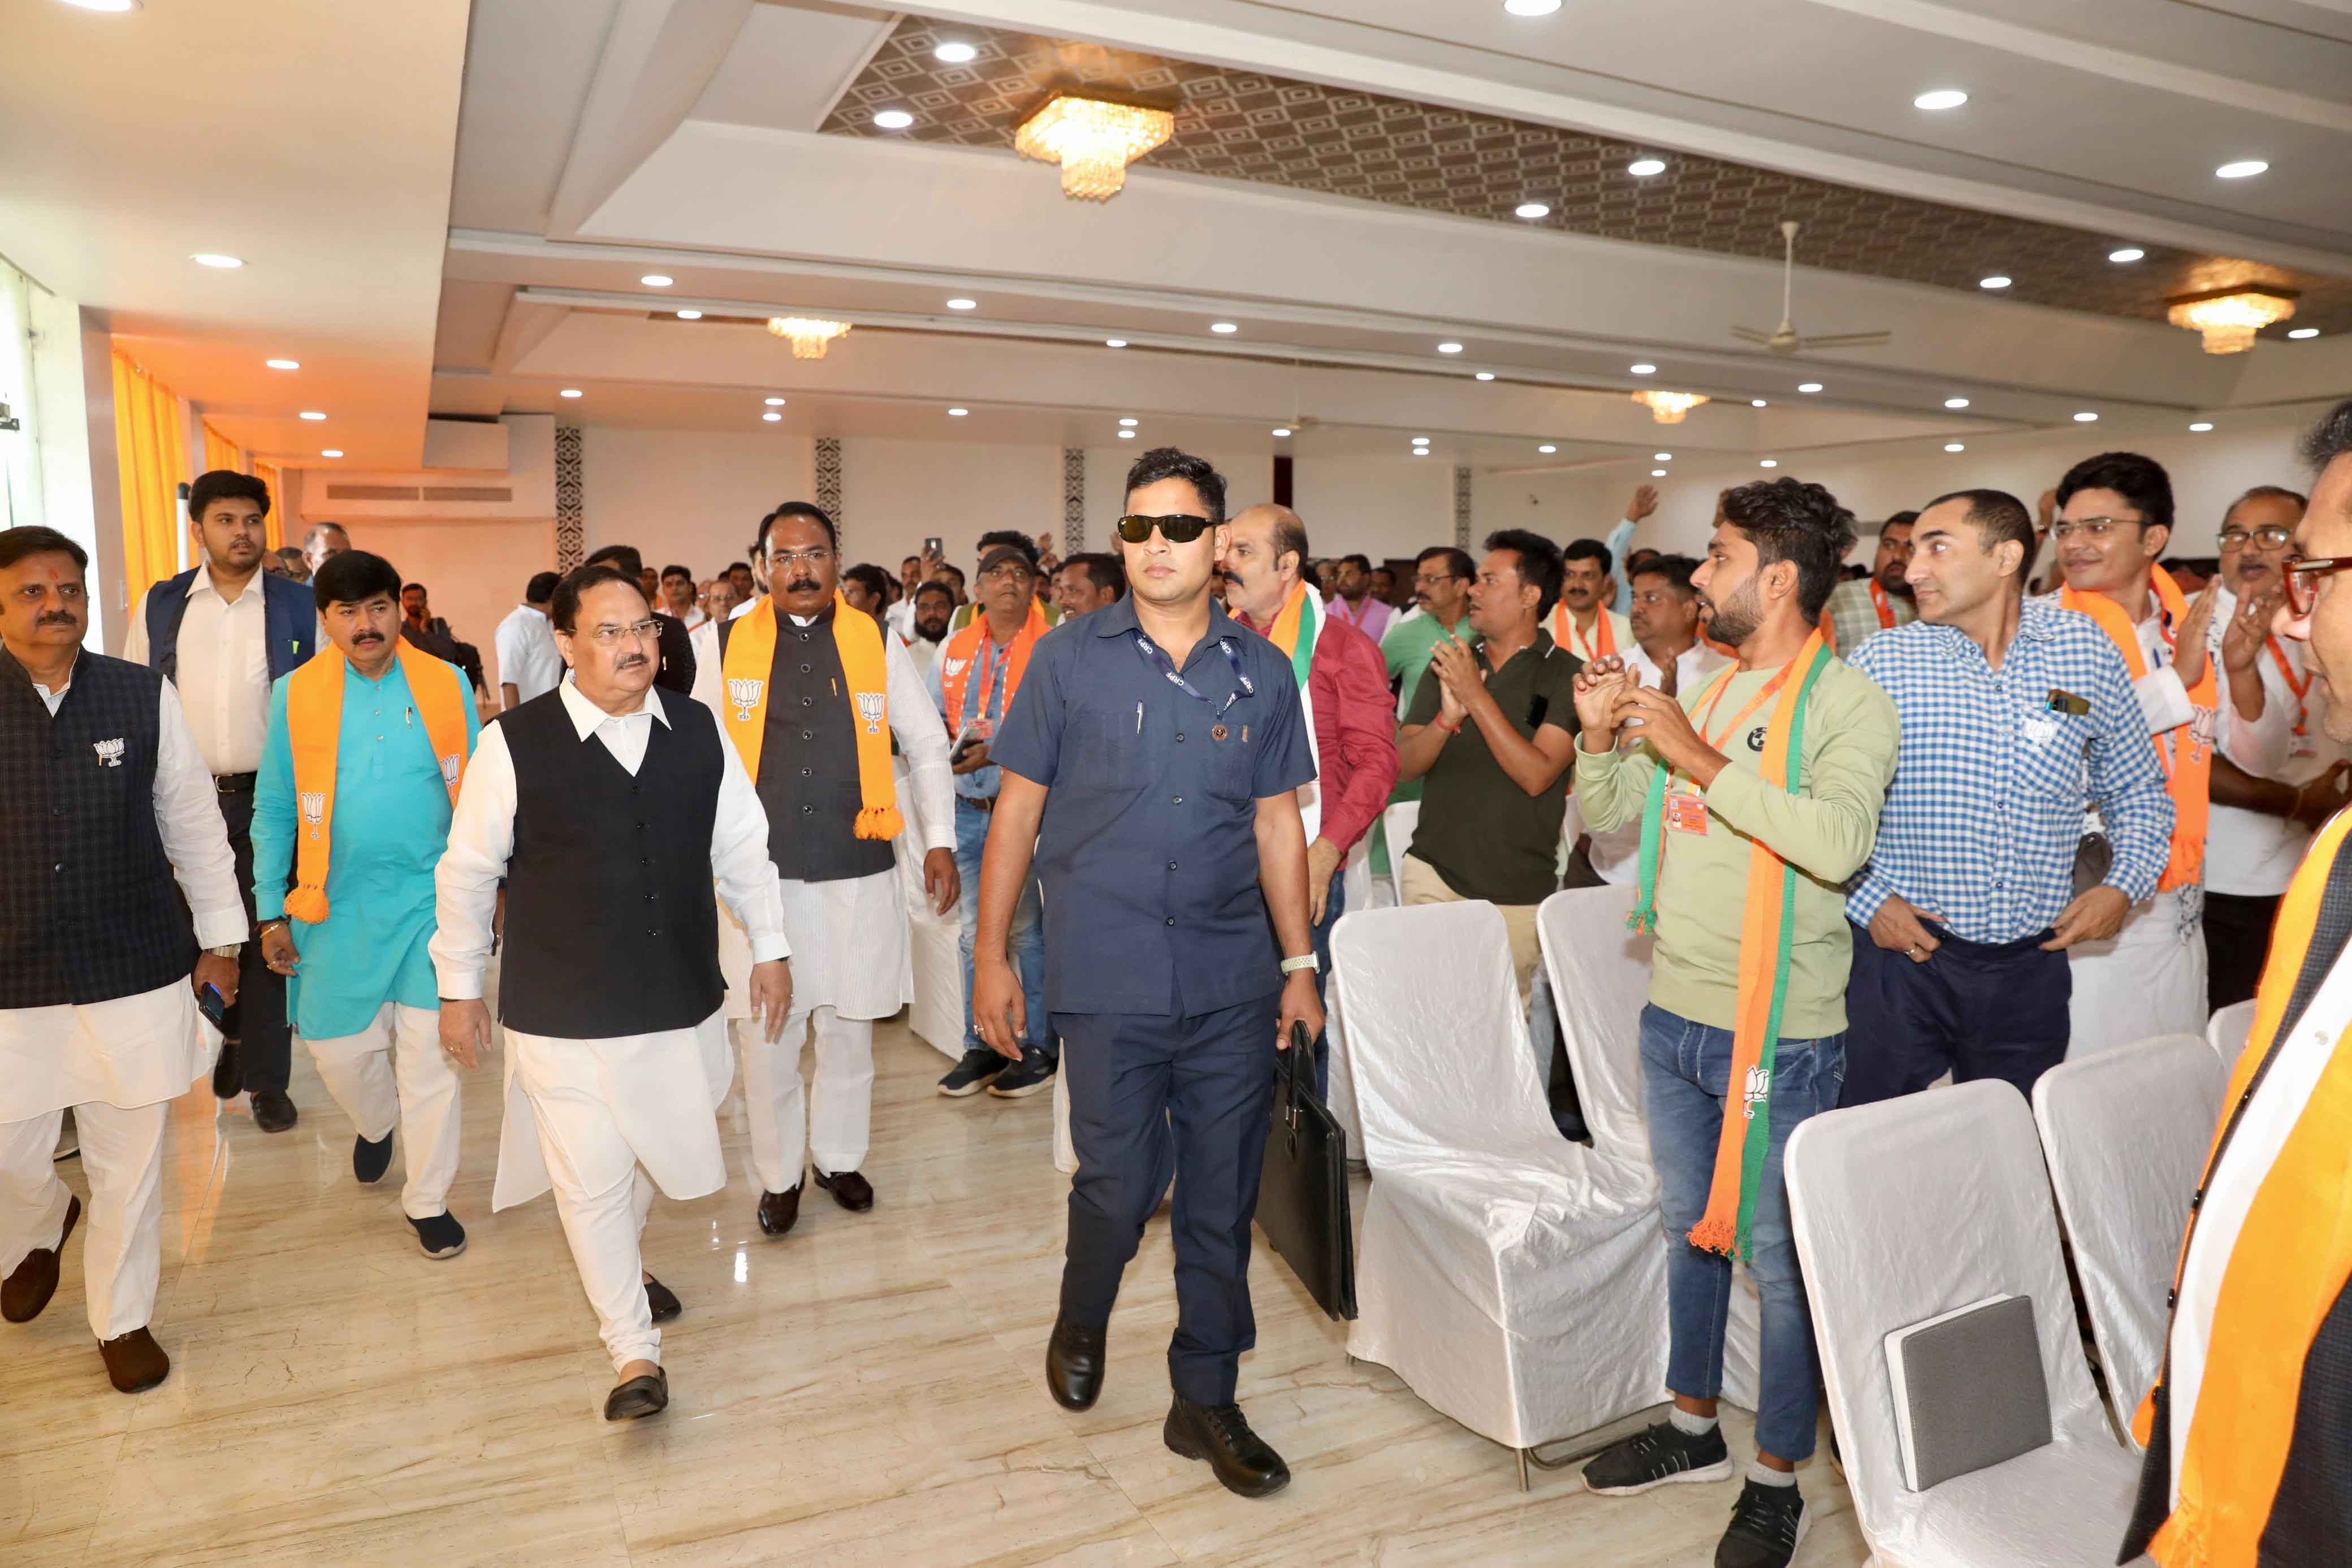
872	706
744	692
110	752
314	809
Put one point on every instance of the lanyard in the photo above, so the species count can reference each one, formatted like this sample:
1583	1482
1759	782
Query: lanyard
1765	695
1878	603
983	692
1157	657
2287	673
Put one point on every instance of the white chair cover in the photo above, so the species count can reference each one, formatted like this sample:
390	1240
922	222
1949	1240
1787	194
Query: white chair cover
937	1015
1399	822
2227	1032
1513	1279
1911	1208
2126	1132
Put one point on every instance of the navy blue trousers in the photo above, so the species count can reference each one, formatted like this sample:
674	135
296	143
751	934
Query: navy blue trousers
1152	1096
1974	1009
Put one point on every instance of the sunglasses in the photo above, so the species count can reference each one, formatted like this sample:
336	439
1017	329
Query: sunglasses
2303	580
1181	528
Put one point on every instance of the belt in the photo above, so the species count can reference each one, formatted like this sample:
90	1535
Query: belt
978	802
234	783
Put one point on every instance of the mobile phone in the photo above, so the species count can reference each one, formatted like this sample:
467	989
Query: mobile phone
210	1003
931	546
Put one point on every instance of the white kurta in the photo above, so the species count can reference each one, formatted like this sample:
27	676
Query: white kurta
137	1050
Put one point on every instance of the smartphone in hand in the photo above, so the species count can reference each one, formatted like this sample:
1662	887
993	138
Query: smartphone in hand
210	1003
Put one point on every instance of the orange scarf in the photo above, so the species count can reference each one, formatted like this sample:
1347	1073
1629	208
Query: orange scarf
2187	760
857	640
963	648
2289	1263
1564	633
314	733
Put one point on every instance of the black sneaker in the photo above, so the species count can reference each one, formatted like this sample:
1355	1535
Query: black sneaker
1661	1456
971	1075
440	1237
1767	1525
1033	1071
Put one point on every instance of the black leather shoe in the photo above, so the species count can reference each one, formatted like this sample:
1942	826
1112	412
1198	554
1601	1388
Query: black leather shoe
370	1161
1074	1365
646	1396
228	1072
135	1363
779	1211
849	1189
1220	1434
273	1110
659	1297
28	1289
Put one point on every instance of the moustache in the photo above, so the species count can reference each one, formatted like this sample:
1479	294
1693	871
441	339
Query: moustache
630	661
366	639
56	618
801	585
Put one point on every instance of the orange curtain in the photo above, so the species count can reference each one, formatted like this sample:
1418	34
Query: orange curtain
152	454
220	451
274	530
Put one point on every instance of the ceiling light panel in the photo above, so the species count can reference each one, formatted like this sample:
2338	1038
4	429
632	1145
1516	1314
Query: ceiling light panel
1939	100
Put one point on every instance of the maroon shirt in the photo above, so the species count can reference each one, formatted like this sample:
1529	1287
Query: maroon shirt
1355	730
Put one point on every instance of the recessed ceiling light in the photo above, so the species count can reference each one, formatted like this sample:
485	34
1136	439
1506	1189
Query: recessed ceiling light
773	402
2245	168
957	413
1421	452
2128	253
955	54
772	416
2304	332
1489	375
1941	98
1533	209
1955	402
1126	435
1769	463
1226	327
689	315
1114	342
963	304
214	258
656	280
1280	431
1449	348
2202	426
2086	417
1530	8
313	415
1758	403
569	392
1642	168
283	364
1954	446
1662	457
1997	280
1808	386
1127	424
1547	451
116	6
1657	473
894	120
1420	441
332	452
1644	370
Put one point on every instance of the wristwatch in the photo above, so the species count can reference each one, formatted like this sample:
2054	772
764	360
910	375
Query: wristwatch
1307	962
231	951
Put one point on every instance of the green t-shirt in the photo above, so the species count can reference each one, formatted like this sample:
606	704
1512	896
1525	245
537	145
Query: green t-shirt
1479	831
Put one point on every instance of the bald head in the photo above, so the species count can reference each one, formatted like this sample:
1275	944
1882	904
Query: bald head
1266	552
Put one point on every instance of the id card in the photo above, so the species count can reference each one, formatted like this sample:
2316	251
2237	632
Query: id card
2038	731
1687	814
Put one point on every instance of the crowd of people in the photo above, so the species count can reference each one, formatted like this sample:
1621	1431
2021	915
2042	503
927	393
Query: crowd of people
1924	821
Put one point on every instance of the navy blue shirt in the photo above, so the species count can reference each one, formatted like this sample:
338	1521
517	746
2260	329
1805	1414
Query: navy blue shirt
1148	849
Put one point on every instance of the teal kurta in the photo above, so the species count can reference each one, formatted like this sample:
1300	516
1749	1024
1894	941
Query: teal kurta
392	822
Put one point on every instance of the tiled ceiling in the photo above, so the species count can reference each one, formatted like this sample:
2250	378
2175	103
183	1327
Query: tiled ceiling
1244	126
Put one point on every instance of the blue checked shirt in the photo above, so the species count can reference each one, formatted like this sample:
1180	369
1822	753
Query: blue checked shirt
1982	819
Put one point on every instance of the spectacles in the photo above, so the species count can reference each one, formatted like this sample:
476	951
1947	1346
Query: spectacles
2095	527
1180	529
2303	580
1006	571
610	636
2272	536
1431	580
785	560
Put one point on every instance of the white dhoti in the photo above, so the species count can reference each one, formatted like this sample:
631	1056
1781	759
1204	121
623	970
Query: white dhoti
118	1065
602	1124
851	965
394	1073
2147	979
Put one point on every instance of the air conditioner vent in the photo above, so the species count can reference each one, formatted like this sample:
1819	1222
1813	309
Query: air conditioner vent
371	492
500	493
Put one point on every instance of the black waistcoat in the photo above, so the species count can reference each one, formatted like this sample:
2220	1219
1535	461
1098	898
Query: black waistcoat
808	761
88	909
611	929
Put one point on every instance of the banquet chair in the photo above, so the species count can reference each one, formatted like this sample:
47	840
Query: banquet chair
2226	1031
1399	823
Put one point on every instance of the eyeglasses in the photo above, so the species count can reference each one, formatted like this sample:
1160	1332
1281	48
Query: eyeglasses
2094	528
1181	528
2274	535
2303	580
1006	571
1431	580
610	636
785	560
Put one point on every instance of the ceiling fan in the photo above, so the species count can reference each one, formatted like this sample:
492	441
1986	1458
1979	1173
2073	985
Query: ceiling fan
1785	341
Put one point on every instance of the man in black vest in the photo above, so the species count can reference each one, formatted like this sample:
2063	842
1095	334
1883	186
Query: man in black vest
221	633
608	808
105	803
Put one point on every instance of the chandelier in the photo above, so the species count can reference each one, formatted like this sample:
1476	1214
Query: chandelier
1666	407
810	335
1093	141
2229	318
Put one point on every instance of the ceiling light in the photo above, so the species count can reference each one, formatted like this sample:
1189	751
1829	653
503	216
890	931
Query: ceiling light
1420	441
689	315
1941	98
1094	142
569	392
656	280
1533	209
332	452
2304	332
1669	407
1758	403
1421	452
1769	463
1997	280
1642	369
1489	375
1955	402
1662	457
117	6
313	415
893	120
957	413
772	416
811	335
1642	168
214	258
1808	386
1224	328
1114	342
773	402
1954	446
1530	8
2128	253
1281	431
1657	473
2246	169
1547	451
283	364
1126	424
955	54
963	304
1449	348
2086	417
2202	426
1126	435
2229	318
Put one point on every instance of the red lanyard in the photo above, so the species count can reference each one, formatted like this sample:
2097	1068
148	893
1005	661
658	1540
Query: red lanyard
2286	672
1715	741
1878	603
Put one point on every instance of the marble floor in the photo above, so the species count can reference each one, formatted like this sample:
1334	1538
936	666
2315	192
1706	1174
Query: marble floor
867	1391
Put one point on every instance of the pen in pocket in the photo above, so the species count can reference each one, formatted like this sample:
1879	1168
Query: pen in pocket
1139	718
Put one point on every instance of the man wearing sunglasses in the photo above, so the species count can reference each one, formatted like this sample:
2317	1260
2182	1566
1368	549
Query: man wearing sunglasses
1152	762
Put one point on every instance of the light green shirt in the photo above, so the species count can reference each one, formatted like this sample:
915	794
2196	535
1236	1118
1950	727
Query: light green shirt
1825	831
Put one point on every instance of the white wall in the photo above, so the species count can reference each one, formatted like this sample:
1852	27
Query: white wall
473	571
896	494
1378	507
688	495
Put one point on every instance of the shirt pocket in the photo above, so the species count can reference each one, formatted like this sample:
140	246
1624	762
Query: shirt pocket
2051	762
1098	752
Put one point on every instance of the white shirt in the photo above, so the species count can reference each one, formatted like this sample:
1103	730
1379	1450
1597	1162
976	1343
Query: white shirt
481	842
899	619
2252	853
224	669
529	660
1616	857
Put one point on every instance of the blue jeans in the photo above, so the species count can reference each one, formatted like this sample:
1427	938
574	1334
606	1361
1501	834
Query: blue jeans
1025	941
1686	1069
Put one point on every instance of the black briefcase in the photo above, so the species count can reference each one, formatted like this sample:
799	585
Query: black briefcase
1302	1198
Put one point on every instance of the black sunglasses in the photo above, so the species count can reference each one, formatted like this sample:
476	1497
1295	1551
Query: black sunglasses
1181	528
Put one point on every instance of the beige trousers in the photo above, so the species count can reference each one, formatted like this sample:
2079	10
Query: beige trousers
1424	885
